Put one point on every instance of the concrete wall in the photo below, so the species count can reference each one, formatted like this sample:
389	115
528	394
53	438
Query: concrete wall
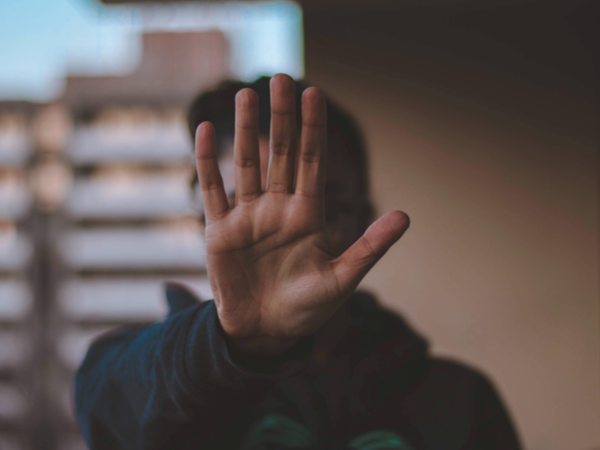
482	127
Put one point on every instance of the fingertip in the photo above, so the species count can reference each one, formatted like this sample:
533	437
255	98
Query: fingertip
390	227
283	98
204	129
205	138
313	94
246	97
282	81
399	220
313	99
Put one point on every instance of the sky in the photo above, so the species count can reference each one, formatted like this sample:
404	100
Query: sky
42	40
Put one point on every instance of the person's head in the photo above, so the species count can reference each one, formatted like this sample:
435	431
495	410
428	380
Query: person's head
348	209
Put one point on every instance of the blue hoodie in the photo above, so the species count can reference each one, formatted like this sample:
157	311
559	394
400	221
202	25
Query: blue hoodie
178	385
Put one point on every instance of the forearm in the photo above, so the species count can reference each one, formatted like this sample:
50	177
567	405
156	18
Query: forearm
175	381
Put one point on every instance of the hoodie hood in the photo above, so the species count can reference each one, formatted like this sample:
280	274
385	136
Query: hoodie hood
380	331
386	356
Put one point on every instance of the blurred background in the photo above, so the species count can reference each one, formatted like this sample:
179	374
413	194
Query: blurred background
482	124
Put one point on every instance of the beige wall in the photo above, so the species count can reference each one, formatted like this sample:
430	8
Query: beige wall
498	173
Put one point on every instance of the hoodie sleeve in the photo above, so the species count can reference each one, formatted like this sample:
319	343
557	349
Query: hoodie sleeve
171	384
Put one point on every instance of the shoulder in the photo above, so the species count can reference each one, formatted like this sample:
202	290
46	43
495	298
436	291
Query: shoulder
459	382
469	393
455	387
377	322
446	377
453	369
183	308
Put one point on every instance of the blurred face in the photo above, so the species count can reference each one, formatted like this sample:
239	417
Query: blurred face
347	209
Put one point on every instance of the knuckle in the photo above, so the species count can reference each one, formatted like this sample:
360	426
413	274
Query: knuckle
247	126
218	215
211	186
246	162
314	122
311	158
247	197
369	251
205	156
306	193
278	188
283	112
281	149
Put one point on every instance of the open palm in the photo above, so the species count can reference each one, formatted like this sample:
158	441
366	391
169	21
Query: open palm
271	269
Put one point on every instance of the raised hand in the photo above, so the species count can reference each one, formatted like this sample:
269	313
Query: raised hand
273	274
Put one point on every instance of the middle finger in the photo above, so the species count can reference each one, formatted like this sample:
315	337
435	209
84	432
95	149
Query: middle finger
282	153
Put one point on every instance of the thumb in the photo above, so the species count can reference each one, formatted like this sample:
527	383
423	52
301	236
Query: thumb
352	266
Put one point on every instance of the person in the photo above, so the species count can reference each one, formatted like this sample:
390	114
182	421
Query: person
288	354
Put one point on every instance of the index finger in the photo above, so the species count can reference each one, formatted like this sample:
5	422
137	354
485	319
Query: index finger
209	175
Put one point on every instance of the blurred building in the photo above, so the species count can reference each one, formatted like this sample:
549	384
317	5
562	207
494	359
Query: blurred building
95	212
481	120
17	324
173	69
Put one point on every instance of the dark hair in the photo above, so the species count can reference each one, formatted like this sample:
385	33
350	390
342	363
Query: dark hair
218	107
